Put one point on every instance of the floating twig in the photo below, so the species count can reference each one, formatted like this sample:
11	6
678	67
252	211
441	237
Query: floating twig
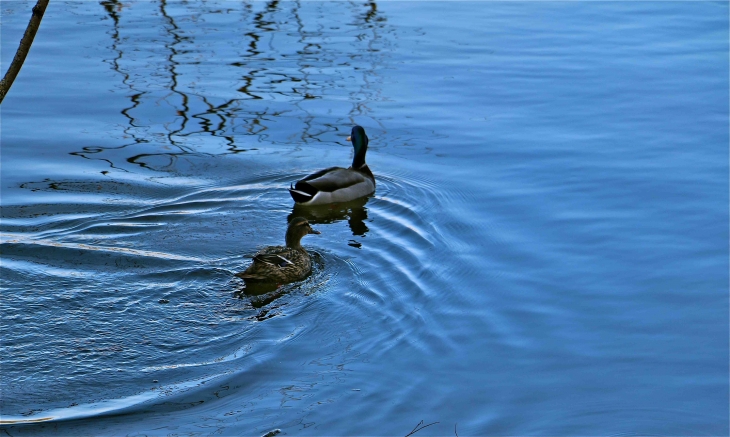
419	427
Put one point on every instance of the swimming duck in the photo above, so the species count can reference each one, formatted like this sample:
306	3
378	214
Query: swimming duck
282	264
337	184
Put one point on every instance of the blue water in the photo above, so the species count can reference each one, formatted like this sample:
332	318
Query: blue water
546	252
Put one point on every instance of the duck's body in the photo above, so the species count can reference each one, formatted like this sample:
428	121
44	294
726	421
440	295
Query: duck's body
282	264
337	184
278	264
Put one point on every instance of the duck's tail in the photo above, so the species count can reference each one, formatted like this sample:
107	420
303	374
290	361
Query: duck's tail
302	192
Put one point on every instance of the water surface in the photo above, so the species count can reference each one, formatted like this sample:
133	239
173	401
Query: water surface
546	251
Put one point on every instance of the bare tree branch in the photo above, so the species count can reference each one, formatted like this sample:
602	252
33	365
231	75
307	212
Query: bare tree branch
35	21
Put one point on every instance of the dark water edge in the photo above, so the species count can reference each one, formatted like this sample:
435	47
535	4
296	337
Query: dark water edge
546	252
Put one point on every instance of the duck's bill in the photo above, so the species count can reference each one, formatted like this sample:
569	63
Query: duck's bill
314	231
348	139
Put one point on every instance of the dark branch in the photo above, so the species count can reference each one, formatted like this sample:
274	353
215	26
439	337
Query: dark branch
419	427
35	21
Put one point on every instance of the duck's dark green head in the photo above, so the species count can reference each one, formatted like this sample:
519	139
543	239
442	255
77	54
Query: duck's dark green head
360	143
298	228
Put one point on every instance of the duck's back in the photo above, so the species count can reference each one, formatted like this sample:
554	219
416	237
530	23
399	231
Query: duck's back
278	264
336	184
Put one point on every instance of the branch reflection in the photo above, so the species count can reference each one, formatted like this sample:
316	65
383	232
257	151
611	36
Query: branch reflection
218	78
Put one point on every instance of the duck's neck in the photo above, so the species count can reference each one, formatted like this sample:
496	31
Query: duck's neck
360	144
359	159
293	240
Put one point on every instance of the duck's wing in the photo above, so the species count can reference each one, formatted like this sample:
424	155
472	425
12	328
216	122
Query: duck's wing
334	184
273	259
304	190
318	177
266	265
277	264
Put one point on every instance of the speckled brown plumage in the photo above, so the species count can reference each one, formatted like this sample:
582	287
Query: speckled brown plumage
282	264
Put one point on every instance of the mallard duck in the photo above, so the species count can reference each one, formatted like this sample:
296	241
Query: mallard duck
282	264
337	184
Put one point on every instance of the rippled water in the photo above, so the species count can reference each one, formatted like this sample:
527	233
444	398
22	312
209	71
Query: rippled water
546	251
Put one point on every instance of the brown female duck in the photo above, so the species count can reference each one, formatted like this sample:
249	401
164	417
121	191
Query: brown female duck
282	264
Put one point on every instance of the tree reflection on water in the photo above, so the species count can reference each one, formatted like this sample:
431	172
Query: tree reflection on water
250	75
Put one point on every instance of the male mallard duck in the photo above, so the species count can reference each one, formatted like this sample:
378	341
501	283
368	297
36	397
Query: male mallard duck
337	184
279	264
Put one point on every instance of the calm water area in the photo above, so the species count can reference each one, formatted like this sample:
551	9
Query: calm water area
546	252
